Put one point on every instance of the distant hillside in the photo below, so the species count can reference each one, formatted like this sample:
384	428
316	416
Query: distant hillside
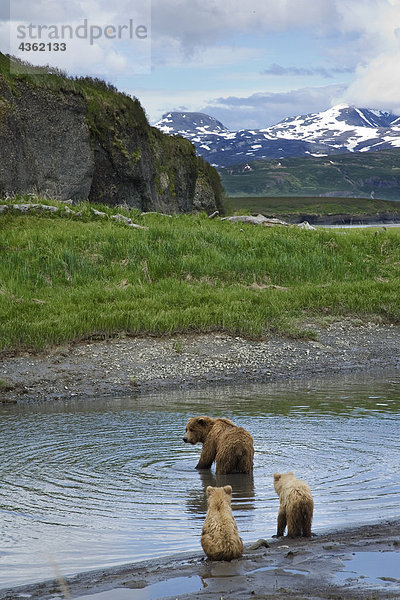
80	138
335	211
352	175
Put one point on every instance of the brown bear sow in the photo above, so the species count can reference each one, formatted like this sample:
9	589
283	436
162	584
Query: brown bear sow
296	505
229	445
220	537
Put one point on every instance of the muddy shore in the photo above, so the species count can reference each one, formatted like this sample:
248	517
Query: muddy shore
316	568
130	366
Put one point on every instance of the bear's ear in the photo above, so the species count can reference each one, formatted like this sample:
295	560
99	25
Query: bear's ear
228	490
291	473
209	490
277	476
201	420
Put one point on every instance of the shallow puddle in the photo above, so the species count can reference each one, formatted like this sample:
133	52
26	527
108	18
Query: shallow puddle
375	567
170	587
89	485
281	569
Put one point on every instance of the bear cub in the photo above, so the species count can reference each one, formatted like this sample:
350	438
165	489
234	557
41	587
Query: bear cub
296	505
229	445
220	537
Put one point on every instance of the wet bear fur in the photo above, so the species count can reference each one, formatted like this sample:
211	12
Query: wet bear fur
220	538
296	505
230	446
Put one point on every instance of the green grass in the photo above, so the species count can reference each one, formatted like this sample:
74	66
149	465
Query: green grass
68	278
101	97
357	174
299	205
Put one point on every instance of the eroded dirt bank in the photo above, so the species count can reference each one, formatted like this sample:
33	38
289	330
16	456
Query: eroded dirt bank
128	366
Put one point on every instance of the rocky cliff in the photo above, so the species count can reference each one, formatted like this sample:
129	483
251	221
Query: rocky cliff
81	139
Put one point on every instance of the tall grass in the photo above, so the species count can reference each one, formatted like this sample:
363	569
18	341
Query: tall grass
63	278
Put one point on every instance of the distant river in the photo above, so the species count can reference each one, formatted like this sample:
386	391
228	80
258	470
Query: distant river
364	226
100	483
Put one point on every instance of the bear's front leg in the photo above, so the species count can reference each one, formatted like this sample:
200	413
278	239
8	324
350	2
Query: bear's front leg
281	522
207	455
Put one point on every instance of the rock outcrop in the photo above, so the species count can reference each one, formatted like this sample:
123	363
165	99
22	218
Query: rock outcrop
81	139
44	142
266	221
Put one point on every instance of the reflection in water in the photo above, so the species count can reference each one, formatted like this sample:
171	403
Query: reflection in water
175	586
100	483
371	565
242	491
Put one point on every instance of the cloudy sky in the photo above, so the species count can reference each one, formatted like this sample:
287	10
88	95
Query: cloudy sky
248	63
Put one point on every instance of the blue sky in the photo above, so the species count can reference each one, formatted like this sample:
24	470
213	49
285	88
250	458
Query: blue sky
249	64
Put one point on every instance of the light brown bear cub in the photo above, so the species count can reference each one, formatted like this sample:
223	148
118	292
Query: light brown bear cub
296	505
220	537
229	445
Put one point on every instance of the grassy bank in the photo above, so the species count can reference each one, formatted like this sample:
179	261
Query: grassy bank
63	277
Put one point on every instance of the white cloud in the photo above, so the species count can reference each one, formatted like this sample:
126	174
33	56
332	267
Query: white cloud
295	71
197	22
241	112
376	85
354	34
157	102
168	52
115	62
100	37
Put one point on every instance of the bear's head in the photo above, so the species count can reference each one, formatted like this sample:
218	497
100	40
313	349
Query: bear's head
197	429
280	479
217	496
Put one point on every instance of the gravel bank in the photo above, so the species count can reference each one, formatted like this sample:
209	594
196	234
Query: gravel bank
128	366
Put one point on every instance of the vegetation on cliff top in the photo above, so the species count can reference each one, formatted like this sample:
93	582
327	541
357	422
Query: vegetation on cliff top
97	92
63	279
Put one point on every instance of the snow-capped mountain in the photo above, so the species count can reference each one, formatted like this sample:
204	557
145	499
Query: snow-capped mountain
337	130
192	122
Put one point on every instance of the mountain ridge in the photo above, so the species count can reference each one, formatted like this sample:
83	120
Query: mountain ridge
340	129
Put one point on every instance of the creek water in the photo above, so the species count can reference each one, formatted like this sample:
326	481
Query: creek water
94	484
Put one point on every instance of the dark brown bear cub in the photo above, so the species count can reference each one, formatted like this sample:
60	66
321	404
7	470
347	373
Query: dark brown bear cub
229	445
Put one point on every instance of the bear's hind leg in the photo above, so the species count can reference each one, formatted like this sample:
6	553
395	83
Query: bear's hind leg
281	522
225	462
307	525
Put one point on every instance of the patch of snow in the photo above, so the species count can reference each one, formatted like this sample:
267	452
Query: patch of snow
165	128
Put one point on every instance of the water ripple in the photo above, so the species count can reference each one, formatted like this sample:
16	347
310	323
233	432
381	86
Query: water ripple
101	483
